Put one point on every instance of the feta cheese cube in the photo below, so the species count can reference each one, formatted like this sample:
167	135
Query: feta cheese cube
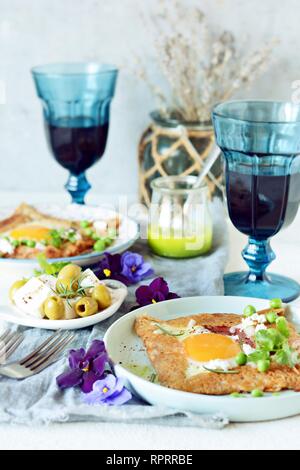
6	247
89	279
30	297
248	349
100	226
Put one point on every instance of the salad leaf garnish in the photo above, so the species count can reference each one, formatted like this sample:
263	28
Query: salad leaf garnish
48	268
286	356
258	356
272	344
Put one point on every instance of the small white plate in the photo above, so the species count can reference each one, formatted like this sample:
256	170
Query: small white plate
12	269
12	314
126	350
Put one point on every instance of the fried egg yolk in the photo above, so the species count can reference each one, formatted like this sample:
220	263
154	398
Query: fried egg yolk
31	232
209	346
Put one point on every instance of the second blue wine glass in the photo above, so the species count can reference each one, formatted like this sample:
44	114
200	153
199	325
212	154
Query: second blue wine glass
76	104
260	141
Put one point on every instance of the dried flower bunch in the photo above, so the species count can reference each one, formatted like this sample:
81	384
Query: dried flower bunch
201	67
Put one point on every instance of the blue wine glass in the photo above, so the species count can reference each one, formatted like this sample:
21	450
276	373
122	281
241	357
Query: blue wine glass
76	102
260	141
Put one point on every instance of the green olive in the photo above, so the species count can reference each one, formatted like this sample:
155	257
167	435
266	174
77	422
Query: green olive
16	286
54	308
67	279
102	296
86	306
71	271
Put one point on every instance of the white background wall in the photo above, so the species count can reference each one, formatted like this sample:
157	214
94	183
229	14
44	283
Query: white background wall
41	31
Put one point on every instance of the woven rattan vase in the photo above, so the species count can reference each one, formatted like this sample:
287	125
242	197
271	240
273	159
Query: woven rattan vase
169	147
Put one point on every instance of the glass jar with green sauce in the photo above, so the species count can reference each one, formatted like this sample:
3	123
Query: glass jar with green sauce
180	224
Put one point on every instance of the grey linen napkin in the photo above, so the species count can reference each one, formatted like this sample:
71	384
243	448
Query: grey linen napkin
37	399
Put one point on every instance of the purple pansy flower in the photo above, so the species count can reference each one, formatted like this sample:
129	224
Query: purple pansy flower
86	367
134	268
110	268
157	291
129	268
108	391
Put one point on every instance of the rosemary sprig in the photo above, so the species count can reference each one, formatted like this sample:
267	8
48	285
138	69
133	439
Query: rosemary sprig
153	377
220	371
66	293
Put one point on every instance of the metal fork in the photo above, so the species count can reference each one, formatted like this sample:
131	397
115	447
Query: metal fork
47	353
8	344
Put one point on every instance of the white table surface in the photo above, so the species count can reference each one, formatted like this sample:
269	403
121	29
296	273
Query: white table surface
282	434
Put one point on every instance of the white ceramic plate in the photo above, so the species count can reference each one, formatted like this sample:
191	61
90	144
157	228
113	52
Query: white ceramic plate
11	314
12	269
126	350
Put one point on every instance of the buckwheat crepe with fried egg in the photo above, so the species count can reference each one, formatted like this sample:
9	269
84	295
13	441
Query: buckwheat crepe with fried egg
28	232
198	353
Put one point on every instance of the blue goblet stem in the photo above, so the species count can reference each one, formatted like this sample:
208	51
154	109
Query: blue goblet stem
258	254
78	186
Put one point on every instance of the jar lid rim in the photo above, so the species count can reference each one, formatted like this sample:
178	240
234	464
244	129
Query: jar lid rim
160	184
168	121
